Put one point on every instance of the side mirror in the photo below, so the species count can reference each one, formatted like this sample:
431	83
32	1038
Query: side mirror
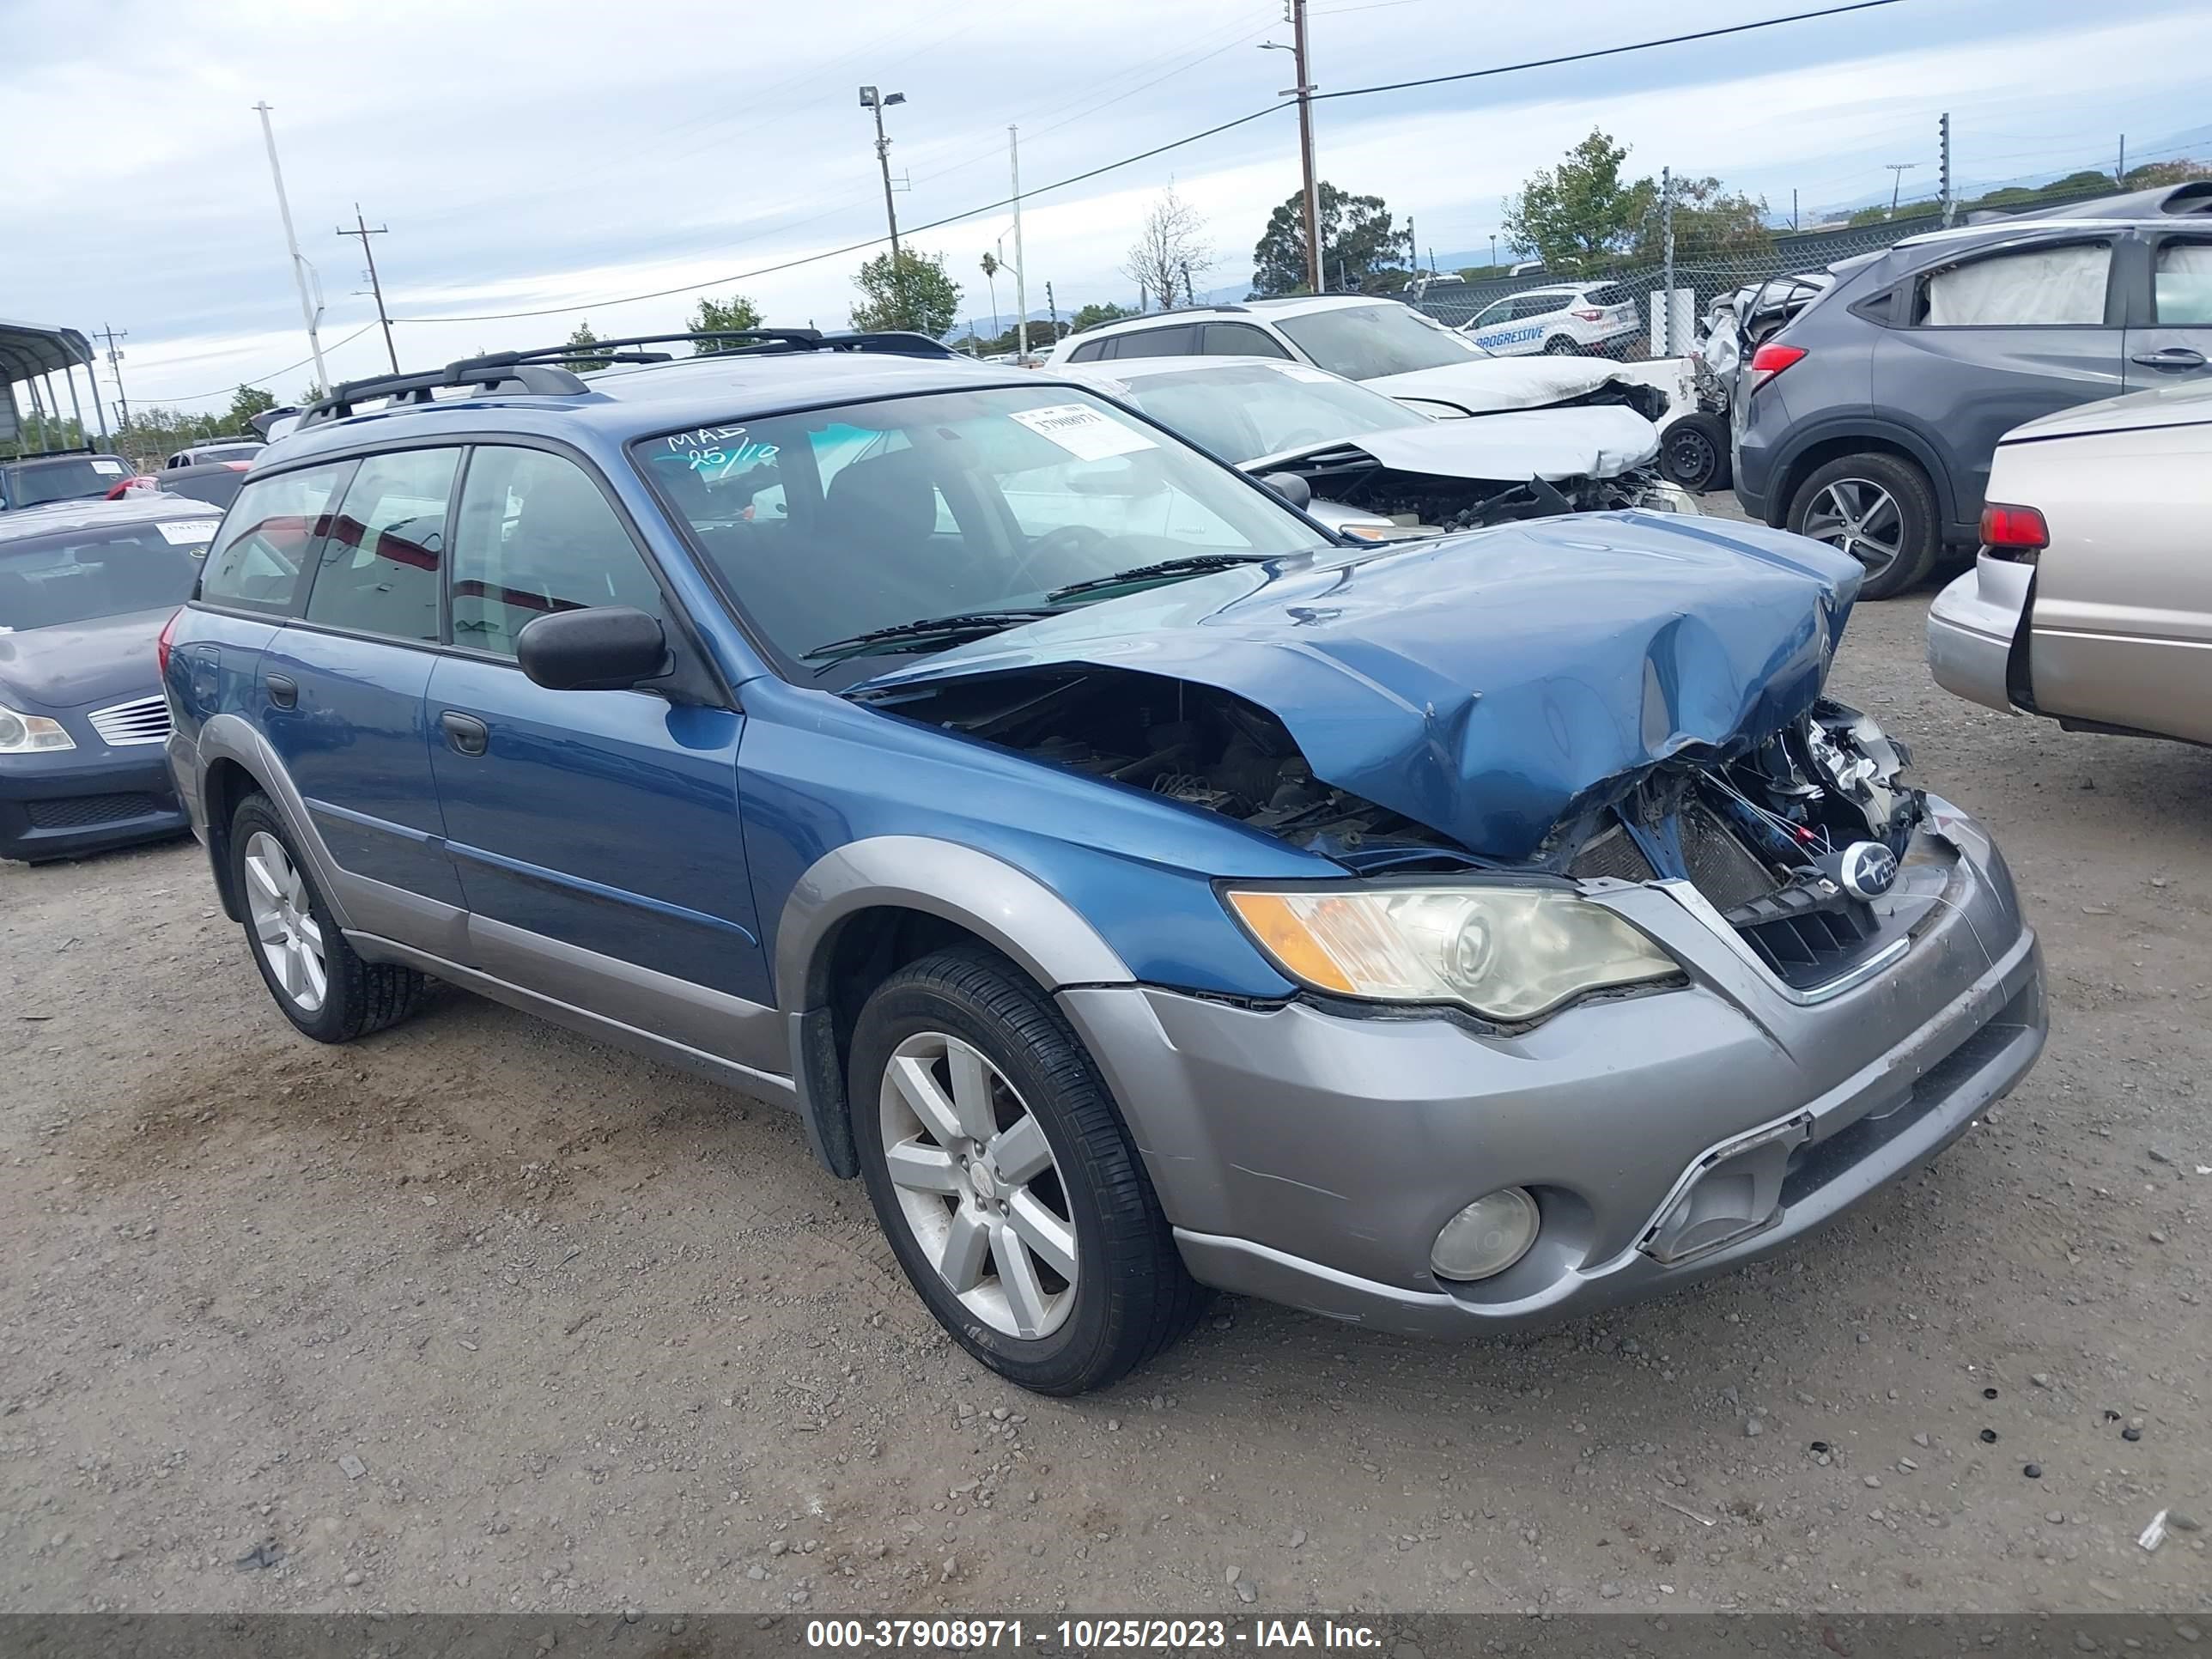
608	648
1290	487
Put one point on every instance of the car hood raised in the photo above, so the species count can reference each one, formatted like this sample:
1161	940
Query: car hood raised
1486	685
108	660
1483	386
1600	442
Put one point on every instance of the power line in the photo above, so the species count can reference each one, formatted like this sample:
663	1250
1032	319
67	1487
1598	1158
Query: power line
1147	155
274	374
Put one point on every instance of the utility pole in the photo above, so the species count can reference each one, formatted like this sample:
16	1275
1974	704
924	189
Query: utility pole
871	99
1189	293
1944	165
1021	282
2120	171
1052	311
1896	171
1667	230
1793	207
1305	91
308	311
376	289
115	367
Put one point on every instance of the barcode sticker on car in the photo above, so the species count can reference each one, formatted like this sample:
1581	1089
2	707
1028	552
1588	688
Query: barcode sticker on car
1082	432
187	533
108	469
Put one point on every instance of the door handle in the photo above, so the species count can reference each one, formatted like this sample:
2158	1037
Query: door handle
2170	357
283	690
465	733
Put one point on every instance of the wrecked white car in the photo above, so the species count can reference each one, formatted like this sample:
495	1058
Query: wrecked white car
1377	469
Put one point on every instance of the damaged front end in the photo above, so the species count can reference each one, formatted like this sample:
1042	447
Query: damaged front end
1426	501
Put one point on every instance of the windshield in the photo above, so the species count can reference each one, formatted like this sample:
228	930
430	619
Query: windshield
78	479
1363	343
1246	410
81	575
831	523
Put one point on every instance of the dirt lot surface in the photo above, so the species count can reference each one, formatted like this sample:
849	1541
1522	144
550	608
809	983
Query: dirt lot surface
476	1314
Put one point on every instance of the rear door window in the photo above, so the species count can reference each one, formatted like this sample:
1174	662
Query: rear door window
1537	305
268	537
1241	340
1180	340
378	571
2030	287
2183	297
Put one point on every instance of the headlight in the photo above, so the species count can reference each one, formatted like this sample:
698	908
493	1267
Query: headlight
1506	952
21	734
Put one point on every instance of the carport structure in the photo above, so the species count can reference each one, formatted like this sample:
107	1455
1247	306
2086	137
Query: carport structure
30	356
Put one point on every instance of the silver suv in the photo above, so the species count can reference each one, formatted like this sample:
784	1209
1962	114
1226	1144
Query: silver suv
1869	420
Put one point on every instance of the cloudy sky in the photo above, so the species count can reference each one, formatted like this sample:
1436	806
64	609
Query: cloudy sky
561	155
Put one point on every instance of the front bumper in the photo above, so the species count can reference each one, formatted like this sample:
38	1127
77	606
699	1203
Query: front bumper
85	800
1972	626
1310	1158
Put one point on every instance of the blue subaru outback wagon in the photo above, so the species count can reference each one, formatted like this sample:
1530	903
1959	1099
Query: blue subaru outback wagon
1137	889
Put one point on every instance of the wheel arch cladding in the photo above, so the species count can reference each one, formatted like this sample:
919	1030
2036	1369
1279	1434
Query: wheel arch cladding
1904	446
863	911
225	785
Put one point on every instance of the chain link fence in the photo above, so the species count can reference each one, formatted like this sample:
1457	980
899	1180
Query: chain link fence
1617	310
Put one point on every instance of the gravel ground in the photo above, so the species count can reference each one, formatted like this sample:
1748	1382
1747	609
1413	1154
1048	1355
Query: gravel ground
476	1314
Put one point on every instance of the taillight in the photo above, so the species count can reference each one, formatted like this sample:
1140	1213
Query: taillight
2014	532
1770	360
161	644
1593	315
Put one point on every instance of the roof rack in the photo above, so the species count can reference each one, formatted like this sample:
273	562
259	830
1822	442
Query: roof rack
550	370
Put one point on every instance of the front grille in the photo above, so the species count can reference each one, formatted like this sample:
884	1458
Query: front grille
144	720
84	811
1718	864
1613	853
1805	939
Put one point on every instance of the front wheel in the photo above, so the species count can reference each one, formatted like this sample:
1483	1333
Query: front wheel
1879	509
1693	452
1000	1173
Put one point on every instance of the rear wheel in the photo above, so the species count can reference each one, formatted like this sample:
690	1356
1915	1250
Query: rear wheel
1000	1173
1693	452
1560	345
323	986
1877	507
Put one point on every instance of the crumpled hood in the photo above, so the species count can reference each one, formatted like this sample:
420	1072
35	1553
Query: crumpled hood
1481	385
1483	684
103	661
1551	444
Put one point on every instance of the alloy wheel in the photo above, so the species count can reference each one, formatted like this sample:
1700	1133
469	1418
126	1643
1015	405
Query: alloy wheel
1858	517
285	930
978	1186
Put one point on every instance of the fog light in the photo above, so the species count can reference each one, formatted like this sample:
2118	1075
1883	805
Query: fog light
1486	1239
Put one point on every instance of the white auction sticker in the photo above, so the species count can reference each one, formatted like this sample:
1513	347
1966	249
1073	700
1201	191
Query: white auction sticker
108	469
187	533
1082	432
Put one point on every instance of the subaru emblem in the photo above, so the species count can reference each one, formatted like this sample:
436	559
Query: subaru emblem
1869	869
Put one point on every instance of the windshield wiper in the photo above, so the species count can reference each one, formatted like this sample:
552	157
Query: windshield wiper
924	633
1192	564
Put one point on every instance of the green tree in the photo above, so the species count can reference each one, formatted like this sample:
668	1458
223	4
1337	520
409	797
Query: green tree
2156	175
584	337
1581	213
1360	244
1710	223
247	402
906	290
713	316
1097	312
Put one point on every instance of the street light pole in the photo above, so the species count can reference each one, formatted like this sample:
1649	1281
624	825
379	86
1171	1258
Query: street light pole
872	100
292	242
1021	284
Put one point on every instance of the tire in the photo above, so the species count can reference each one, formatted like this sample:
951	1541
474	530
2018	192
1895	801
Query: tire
1898	548
1693	453
1560	345
284	910
961	1033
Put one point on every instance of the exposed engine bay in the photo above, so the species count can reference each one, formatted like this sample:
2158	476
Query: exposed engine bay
1452	504
1791	840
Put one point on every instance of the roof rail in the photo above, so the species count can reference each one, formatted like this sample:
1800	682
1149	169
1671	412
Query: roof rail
550	370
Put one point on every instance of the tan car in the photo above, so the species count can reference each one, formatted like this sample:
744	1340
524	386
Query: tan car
2091	600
